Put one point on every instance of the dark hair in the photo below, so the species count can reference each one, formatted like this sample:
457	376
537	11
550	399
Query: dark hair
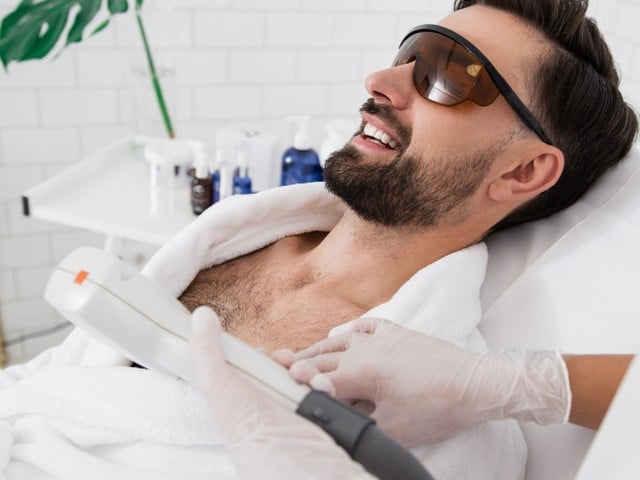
576	98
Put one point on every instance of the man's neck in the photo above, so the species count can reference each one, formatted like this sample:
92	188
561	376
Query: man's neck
370	262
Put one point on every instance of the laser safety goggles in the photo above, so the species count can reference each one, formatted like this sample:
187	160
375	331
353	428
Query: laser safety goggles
449	69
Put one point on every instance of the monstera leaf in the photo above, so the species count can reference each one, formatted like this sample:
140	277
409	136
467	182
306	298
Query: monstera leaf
34	28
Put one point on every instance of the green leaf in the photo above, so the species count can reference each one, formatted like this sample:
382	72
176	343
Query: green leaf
101	27
34	28
88	10
118	6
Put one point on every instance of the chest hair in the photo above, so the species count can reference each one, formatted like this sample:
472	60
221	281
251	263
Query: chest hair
261	301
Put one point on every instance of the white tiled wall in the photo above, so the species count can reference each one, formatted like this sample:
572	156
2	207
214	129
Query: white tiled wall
242	63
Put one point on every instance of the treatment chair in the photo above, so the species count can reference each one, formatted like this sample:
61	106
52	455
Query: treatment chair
569	282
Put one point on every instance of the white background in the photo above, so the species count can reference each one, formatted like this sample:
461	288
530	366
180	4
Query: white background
240	63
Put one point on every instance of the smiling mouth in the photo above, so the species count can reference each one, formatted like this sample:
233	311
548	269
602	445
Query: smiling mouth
373	134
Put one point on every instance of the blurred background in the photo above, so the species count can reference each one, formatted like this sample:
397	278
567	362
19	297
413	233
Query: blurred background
224	64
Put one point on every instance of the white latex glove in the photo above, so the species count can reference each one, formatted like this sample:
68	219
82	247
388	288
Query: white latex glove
265	440
424	389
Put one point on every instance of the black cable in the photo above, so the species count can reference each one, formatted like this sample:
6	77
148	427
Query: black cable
37	334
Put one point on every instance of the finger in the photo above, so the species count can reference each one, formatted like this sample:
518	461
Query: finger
285	356
362	325
338	343
304	370
212	371
322	383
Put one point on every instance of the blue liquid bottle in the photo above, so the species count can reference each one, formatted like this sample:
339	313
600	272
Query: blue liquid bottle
300	163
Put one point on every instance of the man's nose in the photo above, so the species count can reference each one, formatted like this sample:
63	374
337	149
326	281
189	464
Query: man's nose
392	86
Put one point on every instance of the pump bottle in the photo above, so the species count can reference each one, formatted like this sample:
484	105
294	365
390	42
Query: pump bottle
300	163
200	185
241	179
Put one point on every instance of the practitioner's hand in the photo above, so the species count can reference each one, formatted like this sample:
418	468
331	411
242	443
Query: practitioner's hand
265	440
423	389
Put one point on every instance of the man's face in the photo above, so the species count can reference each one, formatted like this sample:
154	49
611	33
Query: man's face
417	163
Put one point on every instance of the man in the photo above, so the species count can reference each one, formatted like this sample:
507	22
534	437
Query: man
430	173
447	152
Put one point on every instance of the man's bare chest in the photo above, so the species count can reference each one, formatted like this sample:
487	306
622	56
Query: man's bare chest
262	301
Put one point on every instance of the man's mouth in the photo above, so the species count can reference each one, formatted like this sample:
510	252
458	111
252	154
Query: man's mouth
376	135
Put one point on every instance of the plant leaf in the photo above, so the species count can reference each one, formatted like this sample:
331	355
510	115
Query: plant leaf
88	10
33	29
117	6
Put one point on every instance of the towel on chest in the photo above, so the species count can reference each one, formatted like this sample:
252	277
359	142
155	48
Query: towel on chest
76	412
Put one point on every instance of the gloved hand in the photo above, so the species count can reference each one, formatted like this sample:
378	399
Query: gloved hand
422	389
265	440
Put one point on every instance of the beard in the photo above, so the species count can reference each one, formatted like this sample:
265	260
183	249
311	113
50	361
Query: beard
410	190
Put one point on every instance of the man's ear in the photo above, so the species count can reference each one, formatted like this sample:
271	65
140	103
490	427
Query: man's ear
523	179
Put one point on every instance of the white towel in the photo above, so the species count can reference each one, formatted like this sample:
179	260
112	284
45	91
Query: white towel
118	422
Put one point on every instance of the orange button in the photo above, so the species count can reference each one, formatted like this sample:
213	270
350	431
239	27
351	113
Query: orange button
80	277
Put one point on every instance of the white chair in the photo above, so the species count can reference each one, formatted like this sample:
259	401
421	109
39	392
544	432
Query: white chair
569	282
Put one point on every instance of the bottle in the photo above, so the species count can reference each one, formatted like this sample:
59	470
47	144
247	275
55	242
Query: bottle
215	176
300	163
241	179
201	198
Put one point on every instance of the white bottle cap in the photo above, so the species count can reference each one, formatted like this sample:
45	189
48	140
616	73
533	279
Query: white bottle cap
302	139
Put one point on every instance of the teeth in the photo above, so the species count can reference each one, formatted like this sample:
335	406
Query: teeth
373	132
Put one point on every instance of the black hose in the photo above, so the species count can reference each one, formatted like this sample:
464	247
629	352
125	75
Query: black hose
377	452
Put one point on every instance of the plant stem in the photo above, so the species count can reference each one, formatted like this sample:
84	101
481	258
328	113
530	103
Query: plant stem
154	79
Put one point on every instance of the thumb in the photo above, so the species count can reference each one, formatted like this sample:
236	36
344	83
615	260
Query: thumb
206	349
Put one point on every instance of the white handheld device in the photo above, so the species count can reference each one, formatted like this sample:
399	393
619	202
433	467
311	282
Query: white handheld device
132	314
135	316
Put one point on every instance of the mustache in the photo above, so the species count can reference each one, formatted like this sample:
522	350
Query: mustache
388	116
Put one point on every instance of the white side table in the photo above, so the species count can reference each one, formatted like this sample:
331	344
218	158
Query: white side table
109	193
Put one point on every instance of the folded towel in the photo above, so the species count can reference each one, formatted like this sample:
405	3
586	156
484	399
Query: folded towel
116	422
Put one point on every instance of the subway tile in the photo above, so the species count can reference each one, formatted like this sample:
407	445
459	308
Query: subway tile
385	6
352	30
260	66
200	4
27	315
375	59
30	282
24	251
200	67
64	243
164	28
633	73
19	109
270	6
103	68
58	72
335	5
19	224
329	65
298	30
15	180
405	22
224	103
626	24
346	99
7	286
289	100
94	139
40	146
73	107
184	107
4	219
228	29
